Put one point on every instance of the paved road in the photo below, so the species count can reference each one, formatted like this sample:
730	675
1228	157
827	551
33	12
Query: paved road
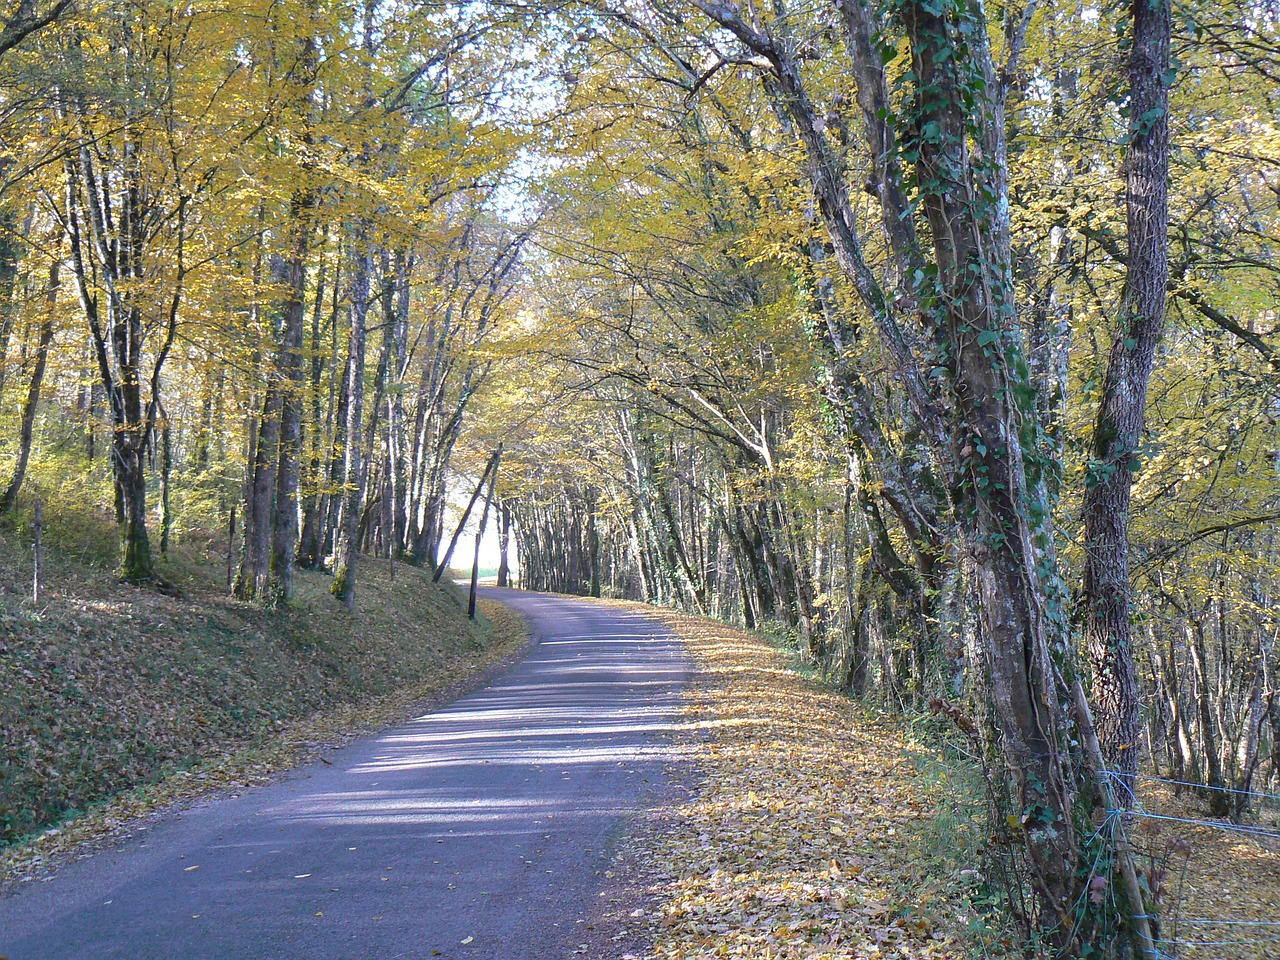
477	831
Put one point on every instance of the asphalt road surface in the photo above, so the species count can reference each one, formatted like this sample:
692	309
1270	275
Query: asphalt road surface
478	831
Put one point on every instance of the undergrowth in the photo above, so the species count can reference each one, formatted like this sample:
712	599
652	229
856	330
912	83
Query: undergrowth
953	839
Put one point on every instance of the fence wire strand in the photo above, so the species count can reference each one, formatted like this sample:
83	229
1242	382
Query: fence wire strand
1254	932
1242	942
1273	797
1242	828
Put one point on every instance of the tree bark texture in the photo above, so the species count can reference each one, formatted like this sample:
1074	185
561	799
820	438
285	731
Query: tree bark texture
1121	417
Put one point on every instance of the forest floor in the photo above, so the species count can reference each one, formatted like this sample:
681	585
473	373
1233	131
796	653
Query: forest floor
117	701
811	828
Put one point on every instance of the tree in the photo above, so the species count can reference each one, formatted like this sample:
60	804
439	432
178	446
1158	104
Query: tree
271	508
977	406
1121	418
125	194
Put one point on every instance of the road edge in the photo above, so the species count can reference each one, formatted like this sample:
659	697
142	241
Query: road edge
115	821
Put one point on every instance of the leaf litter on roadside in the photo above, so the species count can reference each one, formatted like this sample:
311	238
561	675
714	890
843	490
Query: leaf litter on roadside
802	838
233	763
811	834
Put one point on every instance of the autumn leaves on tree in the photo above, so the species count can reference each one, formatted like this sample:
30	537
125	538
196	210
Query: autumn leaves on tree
239	201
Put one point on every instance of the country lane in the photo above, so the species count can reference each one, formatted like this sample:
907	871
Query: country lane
480	830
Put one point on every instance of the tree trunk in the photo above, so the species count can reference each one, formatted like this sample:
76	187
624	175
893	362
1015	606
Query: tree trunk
129	462
353	473
255	561
593	545
315	509
292	275
1218	805
1117	432
27	423
504	545
9	253
1255	709
166	475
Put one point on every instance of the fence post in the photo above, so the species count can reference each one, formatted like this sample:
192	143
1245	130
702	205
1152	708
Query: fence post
231	547
1124	856
38	578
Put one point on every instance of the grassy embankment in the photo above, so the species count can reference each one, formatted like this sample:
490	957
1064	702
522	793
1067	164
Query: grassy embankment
121	694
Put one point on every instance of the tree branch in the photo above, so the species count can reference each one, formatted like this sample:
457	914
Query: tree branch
26	20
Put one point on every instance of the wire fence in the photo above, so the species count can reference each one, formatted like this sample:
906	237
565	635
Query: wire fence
1211	937
1273	797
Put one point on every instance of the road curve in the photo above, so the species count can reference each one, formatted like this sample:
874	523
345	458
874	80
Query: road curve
477	831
